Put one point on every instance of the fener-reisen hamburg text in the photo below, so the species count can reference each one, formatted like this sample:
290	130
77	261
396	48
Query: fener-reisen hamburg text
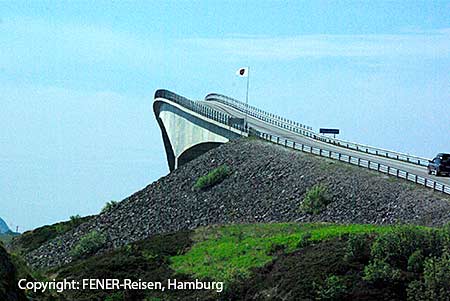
116	284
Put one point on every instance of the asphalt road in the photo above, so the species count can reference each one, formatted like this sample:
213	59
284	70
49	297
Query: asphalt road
271	129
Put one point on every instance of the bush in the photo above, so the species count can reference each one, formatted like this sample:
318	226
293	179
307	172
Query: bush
214	177
356	246
334	288
380	271
109	205
436	280
316	199
397	246
415	262
88	244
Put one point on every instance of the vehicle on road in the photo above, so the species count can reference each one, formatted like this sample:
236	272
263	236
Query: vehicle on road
440	165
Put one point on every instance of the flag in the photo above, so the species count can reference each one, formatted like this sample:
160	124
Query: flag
242	72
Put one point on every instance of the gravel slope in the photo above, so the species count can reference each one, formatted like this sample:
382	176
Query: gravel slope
267	184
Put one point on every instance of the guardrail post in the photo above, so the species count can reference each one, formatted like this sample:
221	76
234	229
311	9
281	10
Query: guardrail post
368	164
359	161
425	182
320	151
406	175
293	144
397	174
415	179
285	142
349	159
303	146
434	185
278	140
378	167
388	169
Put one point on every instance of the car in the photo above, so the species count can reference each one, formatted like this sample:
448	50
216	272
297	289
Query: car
440	164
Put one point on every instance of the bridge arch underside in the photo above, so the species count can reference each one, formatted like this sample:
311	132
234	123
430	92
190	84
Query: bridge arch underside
196	151
186	135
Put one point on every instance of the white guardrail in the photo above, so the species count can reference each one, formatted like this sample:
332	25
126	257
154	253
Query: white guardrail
392	171
308	131
383	168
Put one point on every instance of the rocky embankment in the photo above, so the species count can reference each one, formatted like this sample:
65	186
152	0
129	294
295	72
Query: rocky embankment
267	184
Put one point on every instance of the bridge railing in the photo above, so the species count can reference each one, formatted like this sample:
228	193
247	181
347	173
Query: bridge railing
360	162
307	131
200	109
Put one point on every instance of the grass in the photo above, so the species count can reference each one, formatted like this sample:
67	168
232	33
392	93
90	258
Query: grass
227	253
214	177
306	261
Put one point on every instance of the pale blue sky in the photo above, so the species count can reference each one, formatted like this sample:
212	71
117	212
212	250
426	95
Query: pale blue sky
77	81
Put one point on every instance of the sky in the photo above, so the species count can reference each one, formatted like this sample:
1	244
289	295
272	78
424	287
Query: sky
77	81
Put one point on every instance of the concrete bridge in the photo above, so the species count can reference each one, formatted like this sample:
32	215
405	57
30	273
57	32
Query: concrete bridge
190	128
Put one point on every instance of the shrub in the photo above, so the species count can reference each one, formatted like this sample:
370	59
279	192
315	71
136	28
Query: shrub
436	280
380	271
356	245
397	246
214	177
109	205
88	244
415	262
334	288
316	199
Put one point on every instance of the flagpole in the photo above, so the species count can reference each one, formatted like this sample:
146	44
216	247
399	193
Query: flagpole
246	97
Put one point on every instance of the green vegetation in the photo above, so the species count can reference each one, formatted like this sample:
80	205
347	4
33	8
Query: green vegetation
88	244
109	205
313	261
225	253
214	177
379	271
8	278
7	237
316	199
31	240
146	259
334	288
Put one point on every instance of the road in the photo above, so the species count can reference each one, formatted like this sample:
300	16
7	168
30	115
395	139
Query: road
271	129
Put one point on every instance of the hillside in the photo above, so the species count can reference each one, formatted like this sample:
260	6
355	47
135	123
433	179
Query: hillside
276	261
8	278
267	184
3	226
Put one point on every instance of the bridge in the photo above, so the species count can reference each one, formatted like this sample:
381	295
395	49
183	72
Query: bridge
190	128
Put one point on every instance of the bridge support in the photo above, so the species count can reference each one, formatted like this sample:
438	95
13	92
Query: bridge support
186	134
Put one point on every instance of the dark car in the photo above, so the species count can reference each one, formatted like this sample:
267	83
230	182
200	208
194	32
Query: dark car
439	165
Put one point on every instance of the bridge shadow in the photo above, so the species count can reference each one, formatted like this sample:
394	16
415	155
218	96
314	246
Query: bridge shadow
196	151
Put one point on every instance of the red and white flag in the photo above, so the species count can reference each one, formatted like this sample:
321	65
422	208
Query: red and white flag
242	72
